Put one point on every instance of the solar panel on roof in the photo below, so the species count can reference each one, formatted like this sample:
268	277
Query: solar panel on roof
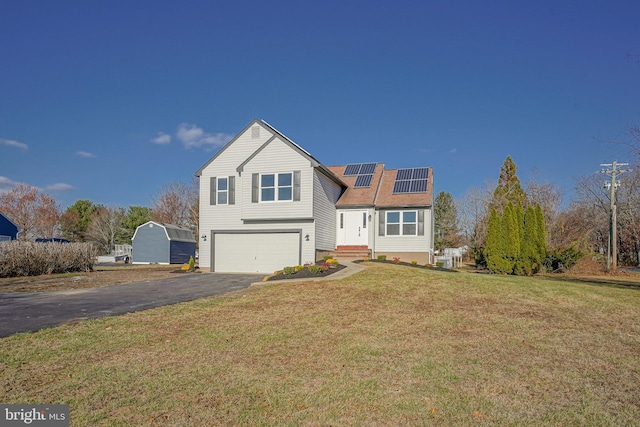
367	168
411	180
404	174
420	173
401	186
352	169
363	181
419	186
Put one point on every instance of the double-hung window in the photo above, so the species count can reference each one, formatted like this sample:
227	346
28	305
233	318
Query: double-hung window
403	223
276	187
223	191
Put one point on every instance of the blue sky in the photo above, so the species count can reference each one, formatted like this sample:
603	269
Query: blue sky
108	101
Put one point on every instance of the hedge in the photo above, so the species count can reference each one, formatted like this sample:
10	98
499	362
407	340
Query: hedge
19	258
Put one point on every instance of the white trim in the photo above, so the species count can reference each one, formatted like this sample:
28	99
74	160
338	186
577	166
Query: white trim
276	187
400	224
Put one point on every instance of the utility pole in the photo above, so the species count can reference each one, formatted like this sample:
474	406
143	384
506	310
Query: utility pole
612	247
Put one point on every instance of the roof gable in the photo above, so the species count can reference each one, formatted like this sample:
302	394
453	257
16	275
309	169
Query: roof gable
172	231
276	135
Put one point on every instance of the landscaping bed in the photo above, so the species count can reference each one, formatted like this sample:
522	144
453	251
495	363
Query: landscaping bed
305	273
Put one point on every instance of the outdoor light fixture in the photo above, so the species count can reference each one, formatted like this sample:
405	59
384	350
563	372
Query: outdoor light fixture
204	237
306	237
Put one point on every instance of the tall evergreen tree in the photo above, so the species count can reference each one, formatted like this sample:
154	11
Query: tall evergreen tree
134	217
530	258
75	221
494	250
541	239
446	221
508	188
511	236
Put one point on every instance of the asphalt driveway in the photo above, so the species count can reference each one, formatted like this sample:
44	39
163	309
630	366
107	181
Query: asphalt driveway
28	312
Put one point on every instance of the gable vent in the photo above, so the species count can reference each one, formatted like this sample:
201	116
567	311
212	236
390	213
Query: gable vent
255	132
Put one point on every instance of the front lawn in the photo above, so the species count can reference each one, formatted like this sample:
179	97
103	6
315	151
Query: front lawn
388	346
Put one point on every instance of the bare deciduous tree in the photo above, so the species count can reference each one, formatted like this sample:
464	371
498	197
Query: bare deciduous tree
473	212
35	212
106	224
177	203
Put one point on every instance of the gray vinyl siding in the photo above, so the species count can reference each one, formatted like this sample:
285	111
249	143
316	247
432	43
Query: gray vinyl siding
422	243
225	164
277	157
150	244
325	195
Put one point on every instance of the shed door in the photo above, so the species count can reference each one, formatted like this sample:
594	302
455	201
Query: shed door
255	252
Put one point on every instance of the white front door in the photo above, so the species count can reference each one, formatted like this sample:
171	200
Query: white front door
353	228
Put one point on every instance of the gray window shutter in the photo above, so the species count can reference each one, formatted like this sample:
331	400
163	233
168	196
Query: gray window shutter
213	186
421	222
232	190
381	224
254	187
296	186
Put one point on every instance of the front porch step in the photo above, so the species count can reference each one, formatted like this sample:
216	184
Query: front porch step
351	251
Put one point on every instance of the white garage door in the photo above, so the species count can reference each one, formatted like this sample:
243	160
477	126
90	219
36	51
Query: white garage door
255	252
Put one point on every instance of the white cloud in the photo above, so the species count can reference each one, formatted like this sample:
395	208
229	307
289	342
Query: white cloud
6	184
59	187
12	143
192	136
453	151
161	139
85	154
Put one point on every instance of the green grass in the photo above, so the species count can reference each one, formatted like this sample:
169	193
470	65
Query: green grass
391	345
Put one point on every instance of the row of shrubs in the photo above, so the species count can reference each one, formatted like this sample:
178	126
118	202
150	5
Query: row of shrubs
18	258
328	263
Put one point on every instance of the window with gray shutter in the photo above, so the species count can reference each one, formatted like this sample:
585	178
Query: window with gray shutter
232	190
255	188
421	222
212	190
296	186
381	224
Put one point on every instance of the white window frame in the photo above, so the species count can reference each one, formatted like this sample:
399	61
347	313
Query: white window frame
401	223
276	187
220	191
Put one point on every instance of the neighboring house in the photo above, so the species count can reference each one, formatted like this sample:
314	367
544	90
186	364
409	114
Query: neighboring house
266	203
8	230
159	243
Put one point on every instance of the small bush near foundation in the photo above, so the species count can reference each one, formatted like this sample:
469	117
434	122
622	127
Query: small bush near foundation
19	258
382	257
315	269
298	268
414	262
288	270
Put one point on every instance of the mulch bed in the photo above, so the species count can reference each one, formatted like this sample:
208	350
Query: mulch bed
408	264
306	274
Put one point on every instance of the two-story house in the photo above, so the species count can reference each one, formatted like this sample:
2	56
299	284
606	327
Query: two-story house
266	203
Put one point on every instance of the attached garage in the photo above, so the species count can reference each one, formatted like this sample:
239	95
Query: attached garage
255	252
